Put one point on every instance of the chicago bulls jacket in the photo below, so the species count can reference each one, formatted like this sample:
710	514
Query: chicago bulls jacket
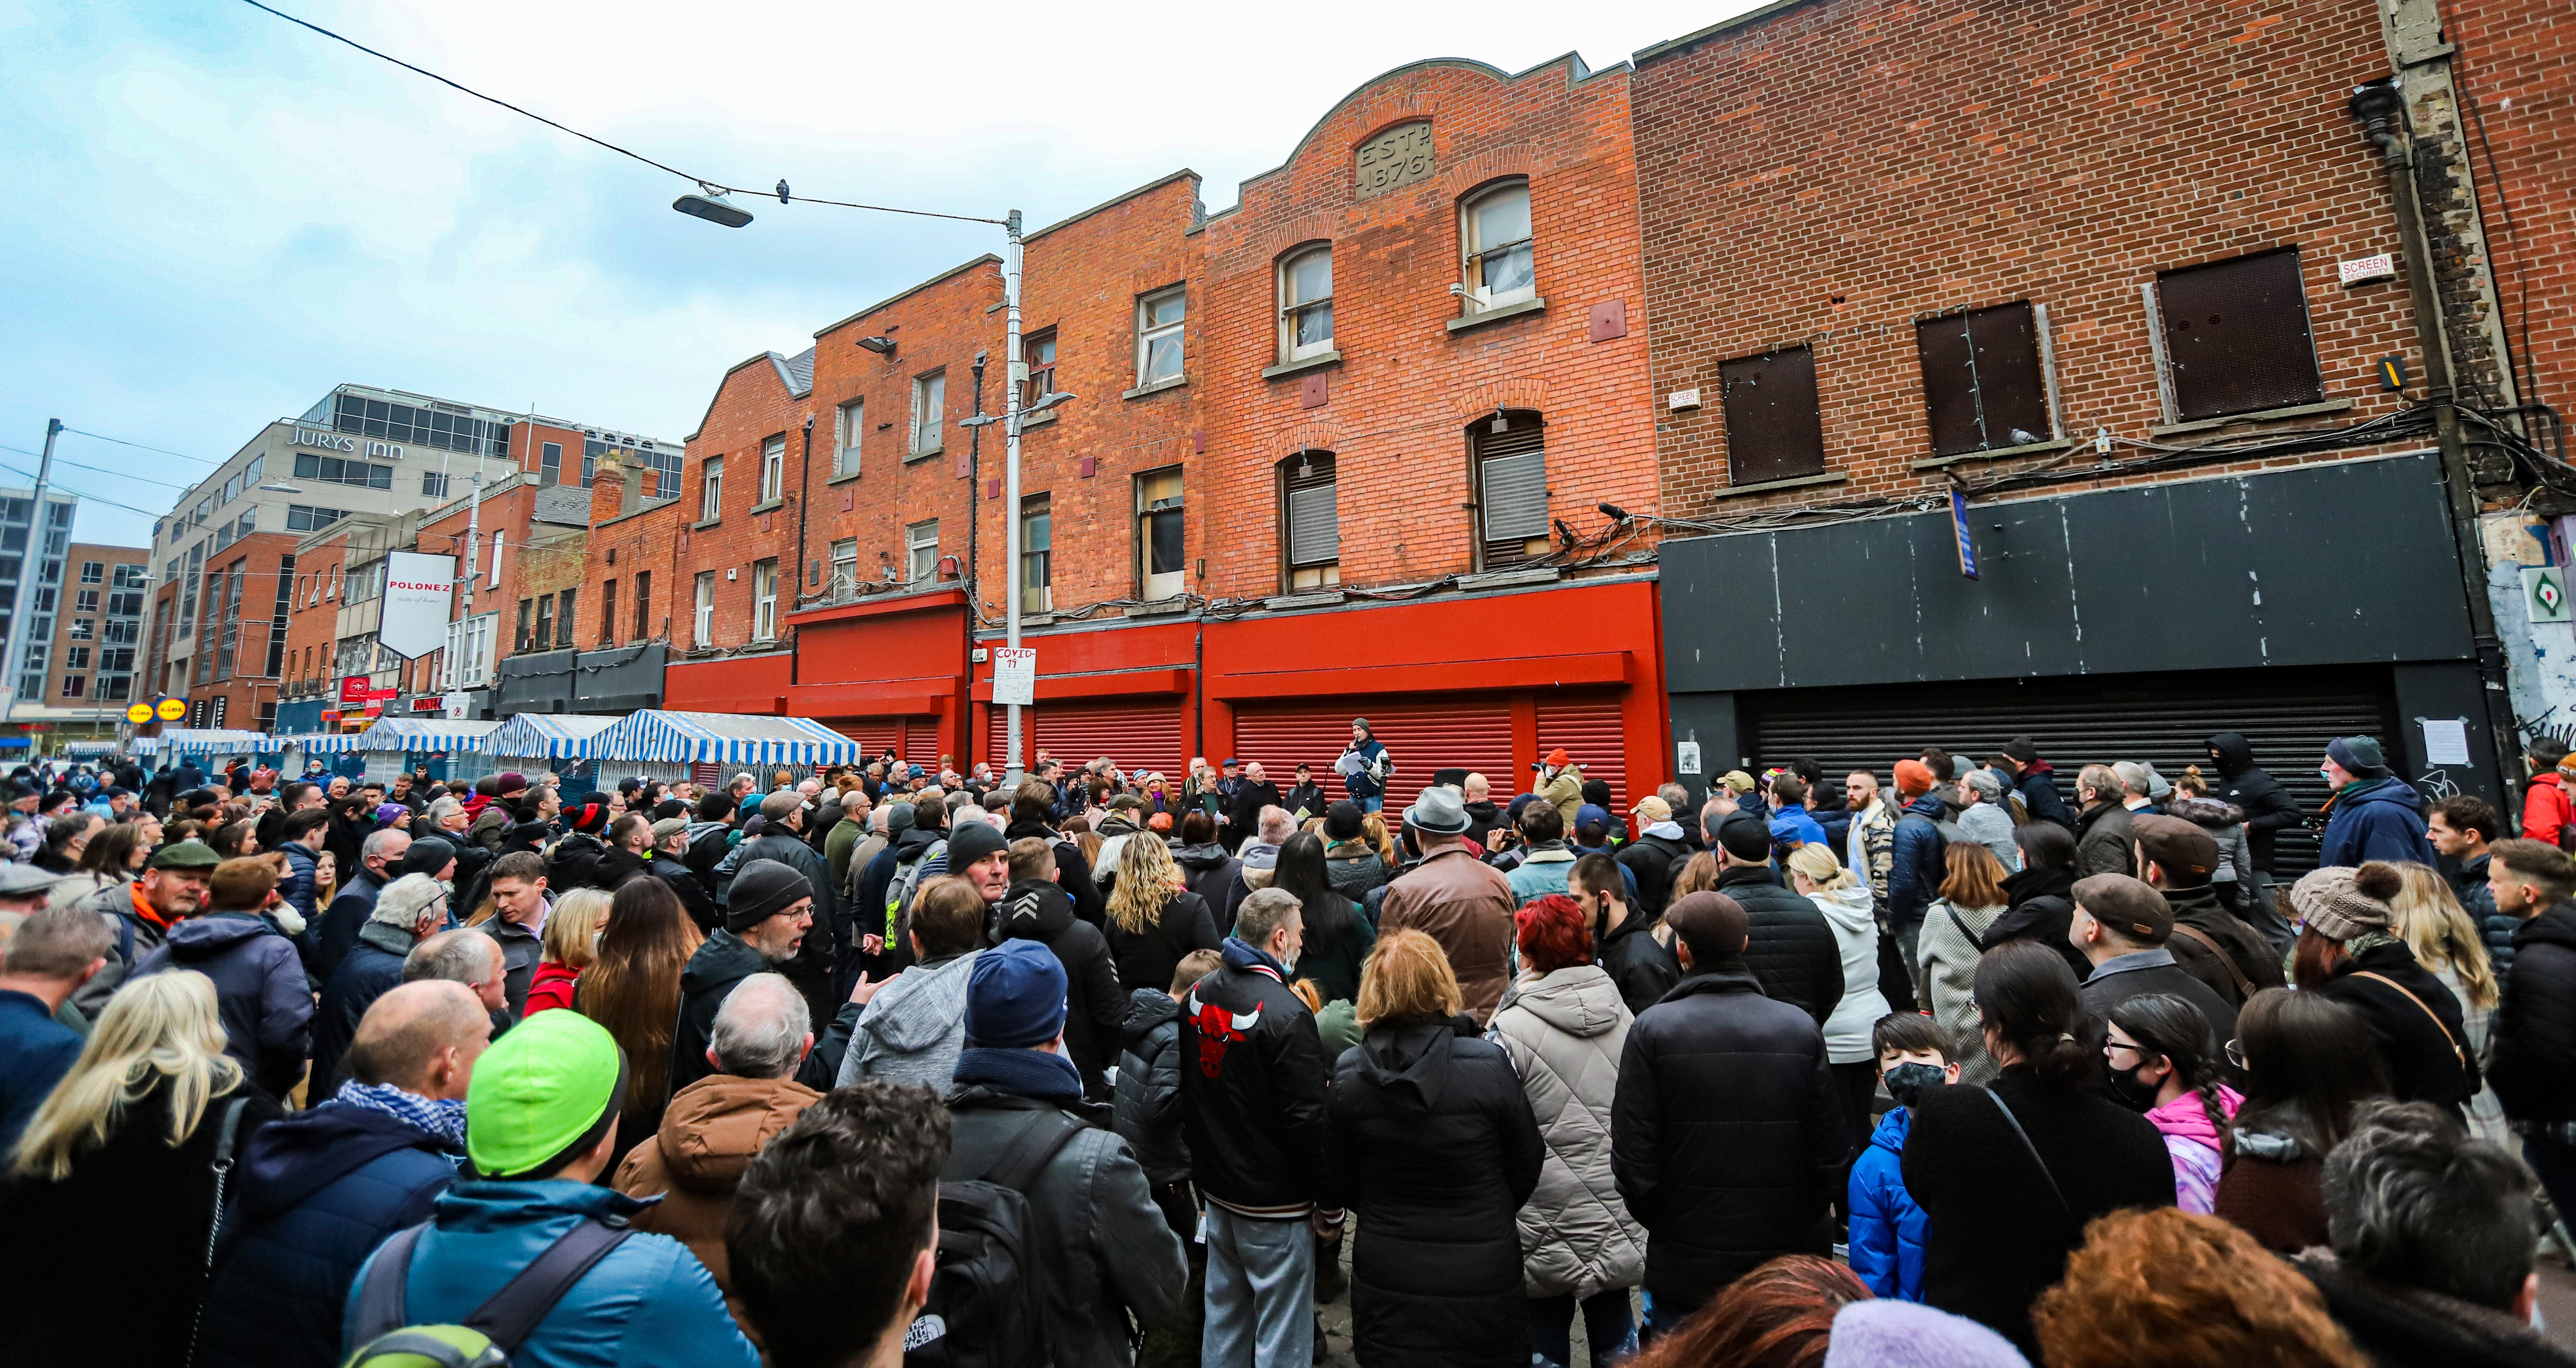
1252	1089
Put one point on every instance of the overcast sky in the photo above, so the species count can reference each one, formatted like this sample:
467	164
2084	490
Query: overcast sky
213	216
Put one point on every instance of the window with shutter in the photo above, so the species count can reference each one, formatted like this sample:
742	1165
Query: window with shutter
1311	521
1985	382
1159	534
1511	483
1773	430
2236	336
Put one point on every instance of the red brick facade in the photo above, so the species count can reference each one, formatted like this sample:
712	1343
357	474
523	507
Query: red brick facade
2516	63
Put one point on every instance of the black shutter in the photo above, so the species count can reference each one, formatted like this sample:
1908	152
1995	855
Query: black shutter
2236	336
1511	482
1983	385
1773	431
2165	720
1314	531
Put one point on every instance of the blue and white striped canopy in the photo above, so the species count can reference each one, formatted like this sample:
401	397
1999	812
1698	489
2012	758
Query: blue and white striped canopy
205	741
554	736
404	734
723	738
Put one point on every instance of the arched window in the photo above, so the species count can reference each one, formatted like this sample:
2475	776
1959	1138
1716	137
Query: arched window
1494	234
1306	304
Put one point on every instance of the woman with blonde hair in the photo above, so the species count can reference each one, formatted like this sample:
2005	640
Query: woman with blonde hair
1154	919
632	988
1953	940
1698	875
122	1169
571	945
1843	897
1434	1147
2446	941
1373	830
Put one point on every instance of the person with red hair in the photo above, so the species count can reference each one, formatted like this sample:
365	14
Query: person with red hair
1564	1031
1780	1315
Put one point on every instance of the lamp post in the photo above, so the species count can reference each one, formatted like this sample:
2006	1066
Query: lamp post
712	207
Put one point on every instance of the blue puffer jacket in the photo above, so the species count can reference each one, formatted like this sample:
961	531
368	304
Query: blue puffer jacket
1887	1228
648	1304
1919	861
2378	820
319	1191
260	991
297	887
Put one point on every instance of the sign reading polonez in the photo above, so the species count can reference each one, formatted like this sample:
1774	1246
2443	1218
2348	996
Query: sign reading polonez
420	594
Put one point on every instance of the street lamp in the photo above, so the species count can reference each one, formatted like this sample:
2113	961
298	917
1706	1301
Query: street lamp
712	206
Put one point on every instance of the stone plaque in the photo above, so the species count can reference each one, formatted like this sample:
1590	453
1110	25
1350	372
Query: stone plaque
1395	158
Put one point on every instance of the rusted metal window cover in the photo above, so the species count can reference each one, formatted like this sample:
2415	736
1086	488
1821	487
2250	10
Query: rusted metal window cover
2236	336
1981	379
1773	431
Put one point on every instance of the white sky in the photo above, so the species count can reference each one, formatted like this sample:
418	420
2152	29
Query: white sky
212	216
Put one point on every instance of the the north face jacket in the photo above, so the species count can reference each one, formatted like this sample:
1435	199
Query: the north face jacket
1094	1006
1252	1089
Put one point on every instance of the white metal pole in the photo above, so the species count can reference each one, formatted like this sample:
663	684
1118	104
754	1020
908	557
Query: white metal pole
30	565
1016	375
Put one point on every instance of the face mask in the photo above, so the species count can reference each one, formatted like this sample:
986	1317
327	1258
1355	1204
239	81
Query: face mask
1906	1082
2136	1096
2327	775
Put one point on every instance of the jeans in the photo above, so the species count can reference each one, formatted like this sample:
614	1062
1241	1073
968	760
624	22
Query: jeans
1260	1293
1375	802
2556	1165
1606	1327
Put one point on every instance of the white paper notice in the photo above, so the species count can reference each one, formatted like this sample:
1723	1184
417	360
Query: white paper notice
2446	740
1015	675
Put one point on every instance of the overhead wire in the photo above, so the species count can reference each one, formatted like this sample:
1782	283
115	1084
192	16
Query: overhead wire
82	432
705	181
93	498
121	474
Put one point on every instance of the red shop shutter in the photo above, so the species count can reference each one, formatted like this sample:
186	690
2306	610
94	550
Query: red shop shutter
708	777
874	734
1590	729
1421	737
1138	734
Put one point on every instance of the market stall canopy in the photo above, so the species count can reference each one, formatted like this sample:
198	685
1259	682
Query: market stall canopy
554	736
723	738
403	734
195	741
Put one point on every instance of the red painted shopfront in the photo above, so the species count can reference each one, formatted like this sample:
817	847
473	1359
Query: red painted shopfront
1486	682
887	672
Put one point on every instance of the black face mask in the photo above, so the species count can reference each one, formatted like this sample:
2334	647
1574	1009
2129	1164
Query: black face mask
2134	1095
1906	1082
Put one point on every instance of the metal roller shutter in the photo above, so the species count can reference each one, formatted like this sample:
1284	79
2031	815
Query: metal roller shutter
908	736
1590	729
2164	720
1420	736
1138	734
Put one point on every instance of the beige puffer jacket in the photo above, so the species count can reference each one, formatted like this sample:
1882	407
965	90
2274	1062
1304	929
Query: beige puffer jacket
1565	1032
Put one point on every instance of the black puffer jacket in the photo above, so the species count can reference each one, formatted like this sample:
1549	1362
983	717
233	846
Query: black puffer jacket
1652	861
1094	1007
2423	1066
675	871
2039	906
1148	1103
1997	1235
1726	1134
1642	967
1073	873
1792	949
1435	1148
575	863
2268	806
1206	869
1149	959
1252	1089
811	970
2534	1029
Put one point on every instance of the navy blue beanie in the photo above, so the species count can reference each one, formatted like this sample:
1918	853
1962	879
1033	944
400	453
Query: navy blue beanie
2359	755
1015	997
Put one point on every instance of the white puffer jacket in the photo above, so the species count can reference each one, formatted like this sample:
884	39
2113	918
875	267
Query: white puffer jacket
1565	1032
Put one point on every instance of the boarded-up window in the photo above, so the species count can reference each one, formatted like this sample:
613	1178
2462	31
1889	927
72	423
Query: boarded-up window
1773	431
1511	482
2236	336
1985	383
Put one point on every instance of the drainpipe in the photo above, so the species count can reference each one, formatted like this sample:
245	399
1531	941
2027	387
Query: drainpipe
804	486
2381	111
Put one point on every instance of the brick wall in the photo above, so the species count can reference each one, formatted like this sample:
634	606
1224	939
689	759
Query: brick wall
313	622
1829	173
2517	64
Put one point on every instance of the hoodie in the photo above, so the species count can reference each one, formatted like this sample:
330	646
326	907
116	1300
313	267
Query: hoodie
1035	909
1148	1101
2268	807
2376	819
709	1135
1206	869
260	991
2193	1142
1852	914
913	1028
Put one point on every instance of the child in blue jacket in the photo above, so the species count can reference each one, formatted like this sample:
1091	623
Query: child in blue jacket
1886	1226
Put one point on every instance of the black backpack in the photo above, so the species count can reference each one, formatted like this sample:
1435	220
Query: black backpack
987	1306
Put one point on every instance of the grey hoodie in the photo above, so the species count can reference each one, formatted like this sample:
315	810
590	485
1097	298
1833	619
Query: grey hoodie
914	1027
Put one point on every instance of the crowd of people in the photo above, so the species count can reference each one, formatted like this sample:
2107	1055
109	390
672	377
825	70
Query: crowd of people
1960	1065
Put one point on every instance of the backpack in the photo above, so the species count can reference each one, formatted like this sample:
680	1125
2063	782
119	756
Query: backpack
899	889
987	1299
494	1330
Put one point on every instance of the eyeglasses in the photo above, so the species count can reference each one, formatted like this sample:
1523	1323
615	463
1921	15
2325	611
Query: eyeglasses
2236	1054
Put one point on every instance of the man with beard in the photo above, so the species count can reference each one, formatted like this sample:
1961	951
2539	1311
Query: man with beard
769	911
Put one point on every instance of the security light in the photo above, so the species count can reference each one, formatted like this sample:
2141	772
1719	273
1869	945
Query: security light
712	207
882	346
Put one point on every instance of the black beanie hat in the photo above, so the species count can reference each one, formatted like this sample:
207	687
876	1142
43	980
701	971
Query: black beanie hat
427	855
761	890
715	807
972	841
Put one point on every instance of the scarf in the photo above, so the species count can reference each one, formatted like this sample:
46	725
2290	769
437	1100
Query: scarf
1023	1073
444	1118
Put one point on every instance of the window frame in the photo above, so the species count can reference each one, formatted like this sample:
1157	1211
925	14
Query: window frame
1472	266
1147	512
850	420
1292	310
1041	381
550	463
1496	551
1813	420
764	599
710	491
1037	597
842	580
1148	333
608	612
773	470
916	573
566	614
2166	332
643	606
1963	325
1323	470
929	415
702	621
